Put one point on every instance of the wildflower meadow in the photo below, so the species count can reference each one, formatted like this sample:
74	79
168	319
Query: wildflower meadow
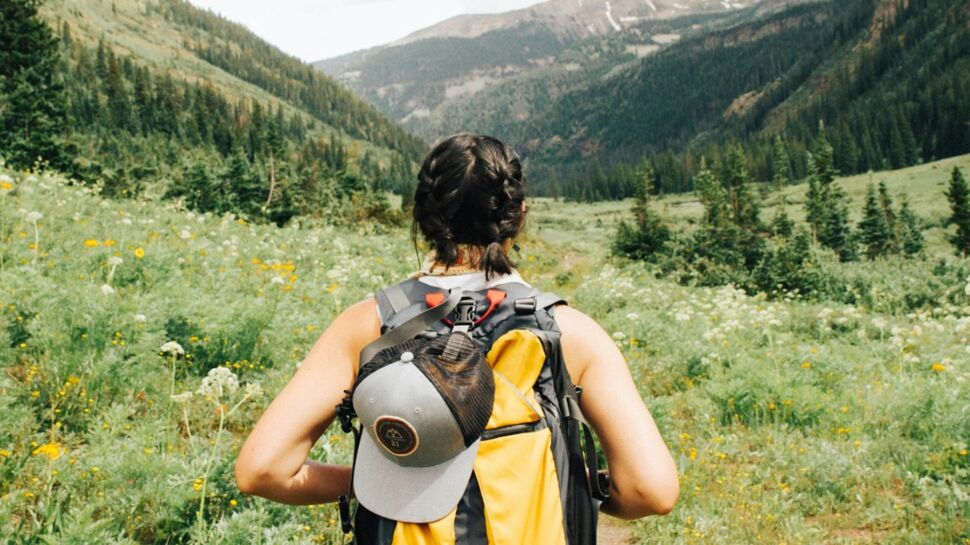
140	342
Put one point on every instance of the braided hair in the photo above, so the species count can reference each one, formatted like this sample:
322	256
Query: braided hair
470	191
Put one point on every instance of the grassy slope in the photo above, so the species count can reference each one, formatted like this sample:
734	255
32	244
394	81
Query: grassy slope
590	226
790	422
133	30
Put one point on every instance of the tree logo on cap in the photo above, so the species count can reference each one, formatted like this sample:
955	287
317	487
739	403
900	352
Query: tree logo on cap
396	435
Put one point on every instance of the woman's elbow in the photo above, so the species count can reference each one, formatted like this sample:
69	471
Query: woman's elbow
250	479
653	498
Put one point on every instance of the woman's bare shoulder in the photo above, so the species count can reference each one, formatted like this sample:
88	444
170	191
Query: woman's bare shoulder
584	341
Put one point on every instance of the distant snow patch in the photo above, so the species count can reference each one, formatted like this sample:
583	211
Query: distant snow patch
609	15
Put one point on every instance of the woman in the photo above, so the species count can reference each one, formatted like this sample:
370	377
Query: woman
469	206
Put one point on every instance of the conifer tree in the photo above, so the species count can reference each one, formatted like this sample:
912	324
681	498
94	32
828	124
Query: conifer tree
826	207
889	217
744	207
781	224
873	231
780	164
648	233
33	108
717	212
959	196
814	203
911	230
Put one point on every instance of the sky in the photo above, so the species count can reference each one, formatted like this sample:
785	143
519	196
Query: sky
320	29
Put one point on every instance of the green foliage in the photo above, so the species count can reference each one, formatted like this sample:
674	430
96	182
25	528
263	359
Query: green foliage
826	205
648	234
32	103
911	237
874	234
780	164
958	193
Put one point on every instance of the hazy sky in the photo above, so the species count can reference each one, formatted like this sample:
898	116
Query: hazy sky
318	29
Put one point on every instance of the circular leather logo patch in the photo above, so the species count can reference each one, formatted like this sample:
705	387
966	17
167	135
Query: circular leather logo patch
396	435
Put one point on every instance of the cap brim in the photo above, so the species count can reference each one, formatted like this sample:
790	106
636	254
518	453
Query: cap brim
410	494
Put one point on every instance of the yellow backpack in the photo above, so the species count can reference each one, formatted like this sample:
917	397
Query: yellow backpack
529	482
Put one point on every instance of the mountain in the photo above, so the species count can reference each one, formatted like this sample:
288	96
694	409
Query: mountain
889	79
412	78
167	97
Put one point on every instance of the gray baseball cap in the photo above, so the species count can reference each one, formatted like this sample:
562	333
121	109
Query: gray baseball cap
423	415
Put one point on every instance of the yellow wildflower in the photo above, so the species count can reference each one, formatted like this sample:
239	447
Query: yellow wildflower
938	367
91	243
139	252
108	242
4	453
7	186
51	450
806	365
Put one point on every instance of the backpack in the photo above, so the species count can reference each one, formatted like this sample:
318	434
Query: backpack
530	480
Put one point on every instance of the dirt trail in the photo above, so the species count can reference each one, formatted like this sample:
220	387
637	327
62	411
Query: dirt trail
613	531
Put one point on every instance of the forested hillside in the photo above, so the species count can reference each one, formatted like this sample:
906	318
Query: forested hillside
891	80
415	78
165	97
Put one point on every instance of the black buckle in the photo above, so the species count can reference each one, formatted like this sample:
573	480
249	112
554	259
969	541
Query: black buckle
346	524
345	412
525	305
465	312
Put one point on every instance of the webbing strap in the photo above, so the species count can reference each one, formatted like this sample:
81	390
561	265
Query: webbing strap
411	328
547	300
592	460
397	298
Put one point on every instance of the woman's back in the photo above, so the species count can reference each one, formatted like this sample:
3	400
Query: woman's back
469	206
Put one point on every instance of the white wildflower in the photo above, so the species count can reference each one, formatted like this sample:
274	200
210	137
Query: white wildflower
632	316
106	289
5	178
277	280
140	318
253	389
219	381
126	221
185	234
183	397
172	348
619	335
115	260
33	217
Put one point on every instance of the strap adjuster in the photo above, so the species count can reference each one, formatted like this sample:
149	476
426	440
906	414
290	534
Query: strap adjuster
525	305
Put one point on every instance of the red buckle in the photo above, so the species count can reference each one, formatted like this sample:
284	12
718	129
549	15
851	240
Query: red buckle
494	297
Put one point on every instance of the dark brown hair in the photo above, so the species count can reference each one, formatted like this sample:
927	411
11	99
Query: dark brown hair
470	191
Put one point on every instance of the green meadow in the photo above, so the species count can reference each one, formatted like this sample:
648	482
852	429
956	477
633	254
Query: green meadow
140	342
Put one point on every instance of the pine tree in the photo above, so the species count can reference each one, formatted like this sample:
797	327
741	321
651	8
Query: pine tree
744	207
912	230
814	203
889	217
823	156
648	233
33	107
826	207
873	231
780	164
781	224
713	197
959	196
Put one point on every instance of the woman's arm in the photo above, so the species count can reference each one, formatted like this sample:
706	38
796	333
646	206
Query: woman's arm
642	472
272	462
